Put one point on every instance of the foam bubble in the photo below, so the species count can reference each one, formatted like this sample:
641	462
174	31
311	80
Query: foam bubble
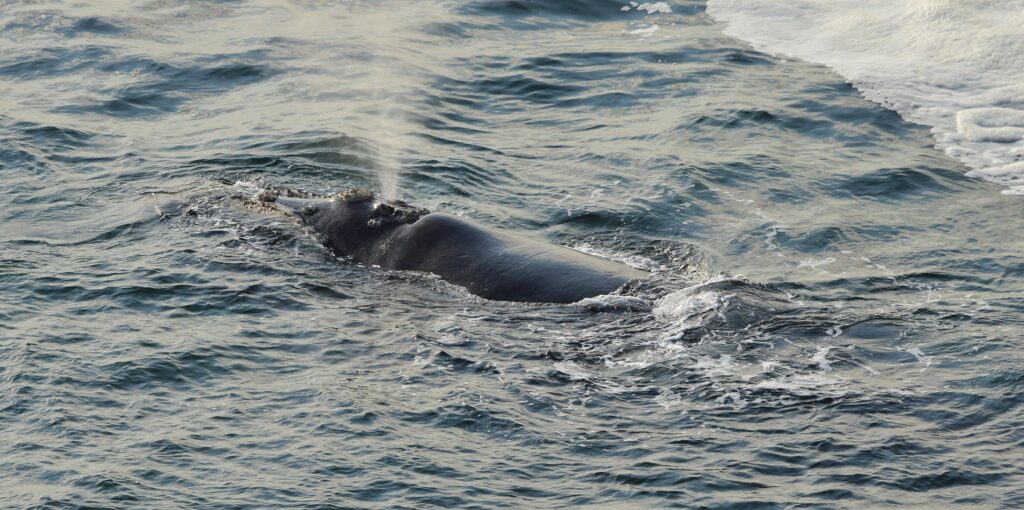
955	66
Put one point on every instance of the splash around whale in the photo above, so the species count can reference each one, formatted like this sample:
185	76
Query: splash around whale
488	262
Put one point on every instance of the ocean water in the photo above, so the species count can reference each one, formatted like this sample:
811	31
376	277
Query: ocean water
833	319
957	67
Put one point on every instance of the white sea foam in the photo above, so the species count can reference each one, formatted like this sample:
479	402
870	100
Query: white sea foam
921	357
954	65
610	302
650	7
634	261
820	358
655	7
686	308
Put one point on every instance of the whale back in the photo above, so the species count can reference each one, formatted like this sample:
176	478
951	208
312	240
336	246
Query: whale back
503	266
490	263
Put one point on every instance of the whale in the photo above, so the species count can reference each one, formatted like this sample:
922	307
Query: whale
488	262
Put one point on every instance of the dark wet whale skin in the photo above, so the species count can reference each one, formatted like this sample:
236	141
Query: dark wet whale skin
488	262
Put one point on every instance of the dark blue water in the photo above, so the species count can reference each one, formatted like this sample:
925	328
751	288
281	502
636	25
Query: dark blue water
834	320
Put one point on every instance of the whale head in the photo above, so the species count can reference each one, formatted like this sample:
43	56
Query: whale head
352	222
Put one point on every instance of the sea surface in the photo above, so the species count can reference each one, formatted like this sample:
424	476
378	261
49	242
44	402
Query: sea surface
835	315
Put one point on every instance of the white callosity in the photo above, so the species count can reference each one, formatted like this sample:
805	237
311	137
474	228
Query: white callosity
956	66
